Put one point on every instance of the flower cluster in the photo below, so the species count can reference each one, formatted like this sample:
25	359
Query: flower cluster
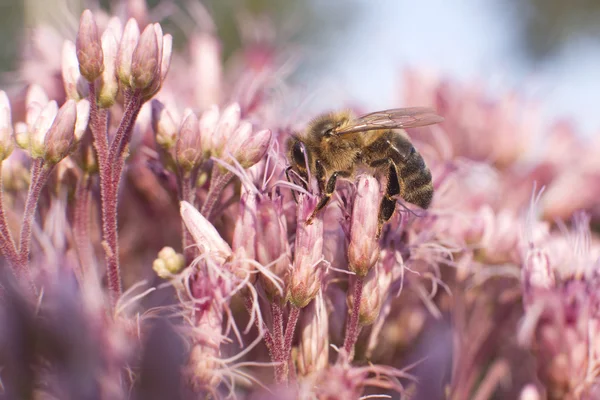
128	164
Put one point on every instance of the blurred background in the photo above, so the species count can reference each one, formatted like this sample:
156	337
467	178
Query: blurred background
356	49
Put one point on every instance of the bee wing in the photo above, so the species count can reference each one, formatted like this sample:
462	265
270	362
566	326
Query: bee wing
396	118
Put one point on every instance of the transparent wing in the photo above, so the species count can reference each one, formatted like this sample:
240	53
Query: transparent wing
396	118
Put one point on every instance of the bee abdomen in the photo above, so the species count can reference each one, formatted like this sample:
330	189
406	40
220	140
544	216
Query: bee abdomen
416	181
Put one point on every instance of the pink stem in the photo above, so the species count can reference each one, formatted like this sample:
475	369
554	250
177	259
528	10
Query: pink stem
289	333
81	222
281	367
39	176
217	184
7	243
353	328
187	193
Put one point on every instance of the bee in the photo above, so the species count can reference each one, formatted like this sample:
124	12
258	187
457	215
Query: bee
335	144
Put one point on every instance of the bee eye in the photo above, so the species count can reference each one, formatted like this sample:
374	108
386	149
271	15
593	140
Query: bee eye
298	154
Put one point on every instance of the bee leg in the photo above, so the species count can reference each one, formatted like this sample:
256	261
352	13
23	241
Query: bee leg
326	193
388	202
289	179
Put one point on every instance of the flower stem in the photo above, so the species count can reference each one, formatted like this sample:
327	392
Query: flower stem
281	367
353	328
217	184
7	244
39	176
187	193
289	333
261	326
81	223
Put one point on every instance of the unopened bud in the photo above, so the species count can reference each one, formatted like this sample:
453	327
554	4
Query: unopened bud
313	350
22	135
188	150
204	233
208	125
108	81
129	41
89	48
375	290
306	274
145	59
244	233
272	247
224	130
363	250
35	101
60	137
37	139
165	124
165	49
6	128
168	263
75	85
253	145
83	116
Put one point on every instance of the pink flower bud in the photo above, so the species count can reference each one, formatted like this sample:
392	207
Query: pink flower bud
375	291
60	137
204	233
75	84
145	59
35	100
363	250
109	85
165	124
313	351
224	130
206	69
208	124
89	48
253	146
6	128
188	149
271	247
128	44
244	234
83	116
40	129
306	275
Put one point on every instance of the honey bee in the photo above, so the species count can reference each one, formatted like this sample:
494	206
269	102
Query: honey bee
335	144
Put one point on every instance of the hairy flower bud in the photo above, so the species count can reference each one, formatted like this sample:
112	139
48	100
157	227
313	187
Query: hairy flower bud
75	85
128	44
145	59
375	291
244	234
83	116
204	233
363	249
208	124
249	148
109	85
6	128
40	128
89	48
306	274
272	248
188	149
60	137
223	132
165	124
313	350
